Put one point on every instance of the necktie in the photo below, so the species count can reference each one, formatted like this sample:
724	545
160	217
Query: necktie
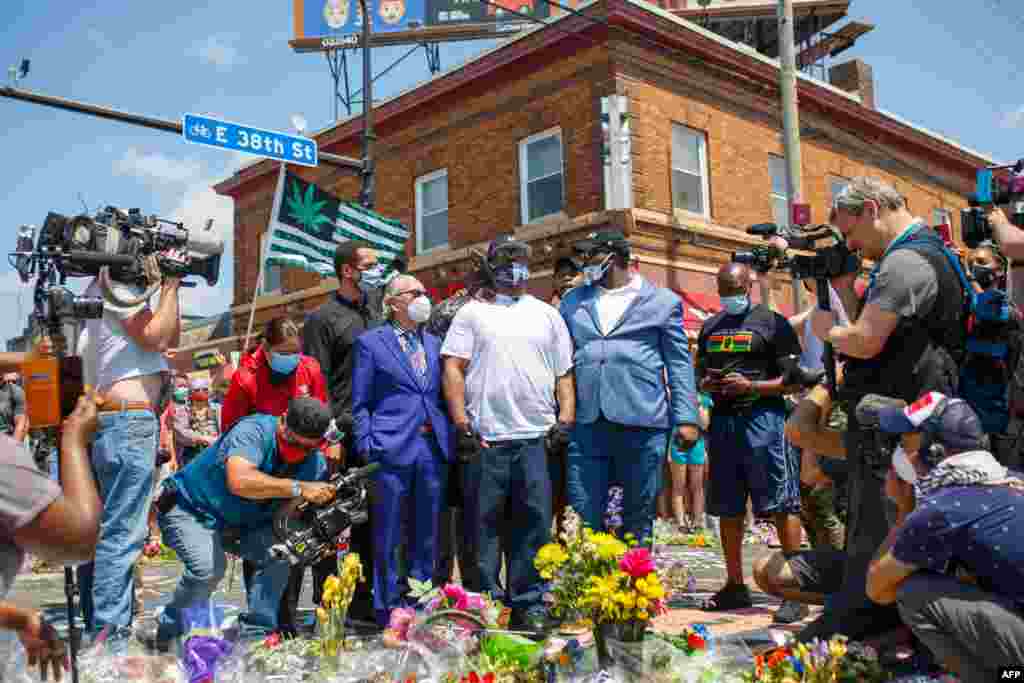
414	349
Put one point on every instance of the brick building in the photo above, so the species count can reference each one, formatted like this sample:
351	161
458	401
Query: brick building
514	140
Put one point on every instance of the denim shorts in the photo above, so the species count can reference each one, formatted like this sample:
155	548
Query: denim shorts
752	458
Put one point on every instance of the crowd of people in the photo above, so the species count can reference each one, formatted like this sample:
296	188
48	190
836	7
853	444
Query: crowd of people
489	413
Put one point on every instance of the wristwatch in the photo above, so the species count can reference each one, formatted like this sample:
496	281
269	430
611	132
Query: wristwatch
296	489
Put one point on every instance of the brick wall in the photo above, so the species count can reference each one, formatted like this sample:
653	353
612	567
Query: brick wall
474	132
475	137
741	130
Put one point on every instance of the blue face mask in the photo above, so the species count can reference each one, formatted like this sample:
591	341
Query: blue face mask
734	305
371	278
284	363
594	274
512	275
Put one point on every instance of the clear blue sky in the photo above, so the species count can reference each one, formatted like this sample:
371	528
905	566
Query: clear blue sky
953	67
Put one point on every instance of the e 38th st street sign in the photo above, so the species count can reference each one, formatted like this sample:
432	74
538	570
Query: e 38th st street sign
202	130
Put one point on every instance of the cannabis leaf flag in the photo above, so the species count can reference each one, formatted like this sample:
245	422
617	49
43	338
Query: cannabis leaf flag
307	224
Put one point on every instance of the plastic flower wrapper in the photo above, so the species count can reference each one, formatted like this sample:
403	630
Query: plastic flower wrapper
367	659
203	646
569	659
652	660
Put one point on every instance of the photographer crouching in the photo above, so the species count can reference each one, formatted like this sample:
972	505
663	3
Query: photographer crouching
225	499
123	357
907	339
58	524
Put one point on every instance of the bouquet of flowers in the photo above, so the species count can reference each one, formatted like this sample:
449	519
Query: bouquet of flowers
276	655
692	641
833	661
630	596
570	564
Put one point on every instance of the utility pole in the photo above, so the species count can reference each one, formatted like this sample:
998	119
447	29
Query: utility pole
367	193
790	119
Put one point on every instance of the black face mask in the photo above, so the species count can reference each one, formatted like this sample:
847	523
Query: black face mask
984	275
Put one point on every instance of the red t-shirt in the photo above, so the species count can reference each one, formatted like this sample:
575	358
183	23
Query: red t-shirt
251	391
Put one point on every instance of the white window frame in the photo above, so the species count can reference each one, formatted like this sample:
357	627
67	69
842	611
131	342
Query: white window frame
702	152
524	172
420	182
772	194
264	254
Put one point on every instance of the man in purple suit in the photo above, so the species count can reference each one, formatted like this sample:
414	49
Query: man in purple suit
401	423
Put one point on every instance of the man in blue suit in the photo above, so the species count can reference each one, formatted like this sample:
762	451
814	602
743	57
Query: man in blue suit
629	340
400	422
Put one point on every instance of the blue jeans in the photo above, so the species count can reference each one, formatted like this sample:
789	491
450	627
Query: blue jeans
613	453
201	551
124	463
508	508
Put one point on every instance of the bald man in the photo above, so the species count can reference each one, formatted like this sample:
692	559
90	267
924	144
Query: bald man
400	422
740	353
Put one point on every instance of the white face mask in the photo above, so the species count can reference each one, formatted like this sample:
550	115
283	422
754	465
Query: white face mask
419	309
905	469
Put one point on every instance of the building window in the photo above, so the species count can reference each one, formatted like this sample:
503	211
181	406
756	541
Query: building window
836	185
271	274
541	176
432	211
780	202
689	170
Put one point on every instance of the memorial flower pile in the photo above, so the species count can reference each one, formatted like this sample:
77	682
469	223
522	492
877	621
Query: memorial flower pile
833	661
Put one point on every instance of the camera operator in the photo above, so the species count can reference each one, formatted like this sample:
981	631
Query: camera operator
225	500
59	524
123	357
907	338
13	420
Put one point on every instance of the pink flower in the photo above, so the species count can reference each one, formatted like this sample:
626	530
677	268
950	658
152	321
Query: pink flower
475	603
637	563
401	619
455	595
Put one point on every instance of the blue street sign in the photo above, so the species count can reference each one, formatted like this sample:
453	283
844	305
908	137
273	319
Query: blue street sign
292	149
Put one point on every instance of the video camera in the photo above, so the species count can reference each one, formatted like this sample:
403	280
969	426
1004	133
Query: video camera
830	259
992	190
308	533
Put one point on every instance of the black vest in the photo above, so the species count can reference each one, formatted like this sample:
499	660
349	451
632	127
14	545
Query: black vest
923	352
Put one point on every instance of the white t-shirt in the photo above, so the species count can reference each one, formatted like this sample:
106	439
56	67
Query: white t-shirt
516	349
109	355
612	303
813	346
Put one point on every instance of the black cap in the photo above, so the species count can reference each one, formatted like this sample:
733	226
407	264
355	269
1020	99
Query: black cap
950	421
567	262
308	417
507	245
604	240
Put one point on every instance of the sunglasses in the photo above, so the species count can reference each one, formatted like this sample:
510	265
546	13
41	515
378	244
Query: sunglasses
415	292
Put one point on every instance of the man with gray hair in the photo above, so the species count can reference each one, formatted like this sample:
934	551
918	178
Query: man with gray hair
907	338
401	423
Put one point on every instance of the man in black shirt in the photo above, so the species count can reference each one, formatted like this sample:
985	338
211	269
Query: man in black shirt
328	336
740	354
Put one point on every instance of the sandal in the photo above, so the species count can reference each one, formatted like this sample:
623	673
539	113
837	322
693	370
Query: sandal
731	596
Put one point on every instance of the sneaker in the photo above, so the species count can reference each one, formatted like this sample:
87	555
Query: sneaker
791	612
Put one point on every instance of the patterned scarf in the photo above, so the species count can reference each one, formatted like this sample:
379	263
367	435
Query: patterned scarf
972	468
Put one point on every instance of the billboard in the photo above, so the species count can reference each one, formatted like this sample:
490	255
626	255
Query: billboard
326	24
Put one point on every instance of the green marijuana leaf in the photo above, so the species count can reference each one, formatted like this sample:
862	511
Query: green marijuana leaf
306	211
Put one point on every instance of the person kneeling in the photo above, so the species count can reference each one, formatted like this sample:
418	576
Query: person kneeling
225	500
953	563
